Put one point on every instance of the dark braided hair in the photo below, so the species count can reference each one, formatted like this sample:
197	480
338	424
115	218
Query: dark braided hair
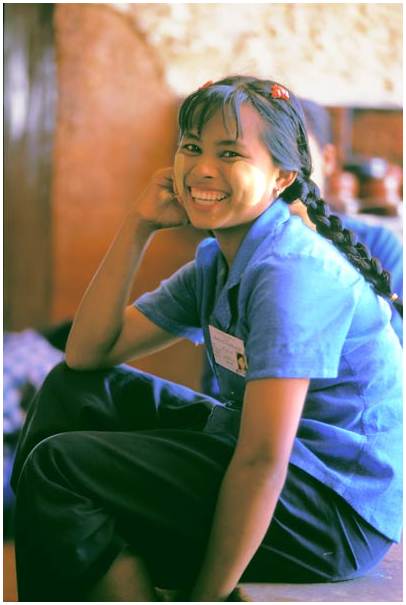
285	136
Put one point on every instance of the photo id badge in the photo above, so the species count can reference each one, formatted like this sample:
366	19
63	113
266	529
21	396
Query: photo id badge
228	351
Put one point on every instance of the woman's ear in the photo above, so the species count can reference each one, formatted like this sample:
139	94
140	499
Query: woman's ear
285	179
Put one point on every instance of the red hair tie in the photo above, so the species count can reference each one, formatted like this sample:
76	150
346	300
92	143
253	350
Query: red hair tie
279	92
206	85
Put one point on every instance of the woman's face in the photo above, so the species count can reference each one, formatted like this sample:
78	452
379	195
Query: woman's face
223	181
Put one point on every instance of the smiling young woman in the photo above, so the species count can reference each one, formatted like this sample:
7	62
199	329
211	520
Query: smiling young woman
294	472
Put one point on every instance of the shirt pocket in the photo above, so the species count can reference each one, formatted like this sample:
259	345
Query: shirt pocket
232	386
223	420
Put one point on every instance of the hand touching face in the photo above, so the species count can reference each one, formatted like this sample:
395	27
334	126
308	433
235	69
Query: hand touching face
158	203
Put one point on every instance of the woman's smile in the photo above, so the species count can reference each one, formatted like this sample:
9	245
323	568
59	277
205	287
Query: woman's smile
206	199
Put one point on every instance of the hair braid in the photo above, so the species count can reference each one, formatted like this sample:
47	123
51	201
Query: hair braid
331	227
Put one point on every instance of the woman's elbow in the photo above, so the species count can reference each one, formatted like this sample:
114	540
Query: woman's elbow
76	361
73	363
265	464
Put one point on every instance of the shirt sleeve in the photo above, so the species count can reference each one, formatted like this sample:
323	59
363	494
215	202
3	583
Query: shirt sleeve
173	305
298	318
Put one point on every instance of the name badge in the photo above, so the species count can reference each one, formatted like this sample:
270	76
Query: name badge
228	351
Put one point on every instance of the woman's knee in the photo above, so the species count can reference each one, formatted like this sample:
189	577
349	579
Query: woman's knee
62	375
39	467
51	396
63	385
57	379
48	463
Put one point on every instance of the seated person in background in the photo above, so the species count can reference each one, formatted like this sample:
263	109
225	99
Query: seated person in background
381	242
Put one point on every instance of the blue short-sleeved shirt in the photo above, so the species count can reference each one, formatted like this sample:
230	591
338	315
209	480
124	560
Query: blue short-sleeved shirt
302	310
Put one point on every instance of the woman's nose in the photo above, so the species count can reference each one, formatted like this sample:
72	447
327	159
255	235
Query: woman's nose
205	168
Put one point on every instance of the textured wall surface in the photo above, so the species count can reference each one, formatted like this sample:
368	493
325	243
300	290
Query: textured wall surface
116	125
338	54
108	138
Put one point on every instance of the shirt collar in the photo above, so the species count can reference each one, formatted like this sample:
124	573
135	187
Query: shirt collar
262	228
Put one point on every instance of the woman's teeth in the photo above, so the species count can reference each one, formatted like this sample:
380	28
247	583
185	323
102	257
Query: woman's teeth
206	198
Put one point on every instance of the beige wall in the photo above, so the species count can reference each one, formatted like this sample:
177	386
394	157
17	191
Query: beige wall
339	54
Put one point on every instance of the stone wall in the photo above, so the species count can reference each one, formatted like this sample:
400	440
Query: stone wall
338	54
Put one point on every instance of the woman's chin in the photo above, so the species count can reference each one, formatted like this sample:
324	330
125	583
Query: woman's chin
202	225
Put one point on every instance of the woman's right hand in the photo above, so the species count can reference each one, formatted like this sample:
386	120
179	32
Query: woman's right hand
158	205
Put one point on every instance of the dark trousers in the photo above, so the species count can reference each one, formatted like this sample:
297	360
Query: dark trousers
119	459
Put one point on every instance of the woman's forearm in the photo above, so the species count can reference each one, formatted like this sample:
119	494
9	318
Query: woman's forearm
98	320
245	506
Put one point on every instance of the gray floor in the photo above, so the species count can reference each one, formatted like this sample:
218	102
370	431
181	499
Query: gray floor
384	584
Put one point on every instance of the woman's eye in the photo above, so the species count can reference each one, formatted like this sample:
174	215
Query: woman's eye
230	154
191	147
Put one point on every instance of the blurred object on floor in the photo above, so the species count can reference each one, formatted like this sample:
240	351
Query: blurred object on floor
28	356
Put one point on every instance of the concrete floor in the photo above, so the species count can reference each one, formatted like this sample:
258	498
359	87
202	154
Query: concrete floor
384	584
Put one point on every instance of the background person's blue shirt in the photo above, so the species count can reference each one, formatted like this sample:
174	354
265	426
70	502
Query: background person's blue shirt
302	310
384	245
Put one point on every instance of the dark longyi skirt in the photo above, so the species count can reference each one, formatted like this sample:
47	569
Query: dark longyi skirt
120	459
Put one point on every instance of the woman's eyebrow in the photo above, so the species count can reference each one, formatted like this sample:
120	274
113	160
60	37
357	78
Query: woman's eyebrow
191	135
222	142
229	142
